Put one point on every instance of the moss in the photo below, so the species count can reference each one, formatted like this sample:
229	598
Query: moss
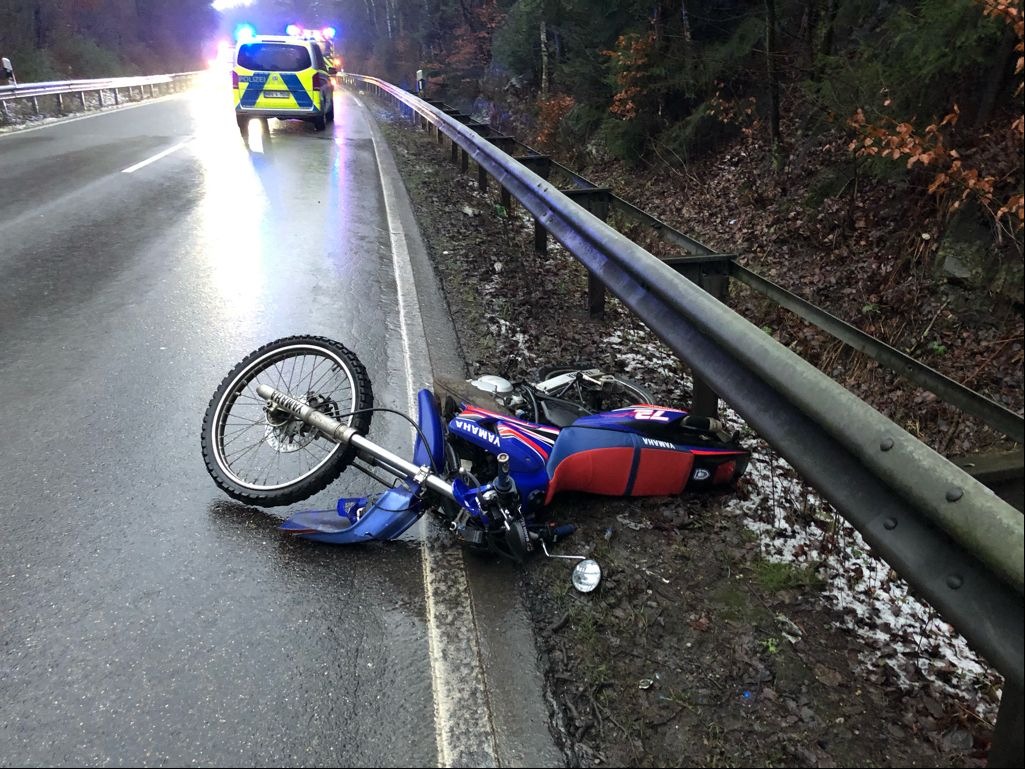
733	602
774	576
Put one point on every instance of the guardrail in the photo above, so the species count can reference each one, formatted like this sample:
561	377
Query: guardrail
49	98
956	543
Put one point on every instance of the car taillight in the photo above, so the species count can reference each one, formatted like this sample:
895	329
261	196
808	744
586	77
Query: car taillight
724	472
319	80
234	79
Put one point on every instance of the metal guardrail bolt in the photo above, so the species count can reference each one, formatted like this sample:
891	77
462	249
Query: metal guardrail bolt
954	581
886	444
954	494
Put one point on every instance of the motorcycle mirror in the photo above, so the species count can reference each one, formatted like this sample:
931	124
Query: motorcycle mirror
586	575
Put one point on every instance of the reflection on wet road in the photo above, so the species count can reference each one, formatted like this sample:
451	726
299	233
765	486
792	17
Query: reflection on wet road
144	618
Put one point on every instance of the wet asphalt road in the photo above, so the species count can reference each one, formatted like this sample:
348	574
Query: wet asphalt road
145	618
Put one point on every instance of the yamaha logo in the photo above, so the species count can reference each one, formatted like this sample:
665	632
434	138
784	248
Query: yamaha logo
476	430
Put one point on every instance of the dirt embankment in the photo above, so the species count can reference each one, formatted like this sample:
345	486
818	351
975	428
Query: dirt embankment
700	647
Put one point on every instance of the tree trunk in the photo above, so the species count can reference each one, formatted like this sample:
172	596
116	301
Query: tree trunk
773	77
544	60
388	20
809	22
688	47
1003	65
687	37
371	13
828	24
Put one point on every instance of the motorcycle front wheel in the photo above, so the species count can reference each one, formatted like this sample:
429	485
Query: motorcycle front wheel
261	455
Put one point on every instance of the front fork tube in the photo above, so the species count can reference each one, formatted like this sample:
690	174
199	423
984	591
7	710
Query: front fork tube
347	436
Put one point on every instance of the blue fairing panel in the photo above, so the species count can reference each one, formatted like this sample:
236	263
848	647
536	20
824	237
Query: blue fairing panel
433	430
391	513
386	518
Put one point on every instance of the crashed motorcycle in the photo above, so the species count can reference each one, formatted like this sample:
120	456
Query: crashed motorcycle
487	460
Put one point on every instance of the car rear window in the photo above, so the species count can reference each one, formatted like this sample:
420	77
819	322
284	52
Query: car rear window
274	57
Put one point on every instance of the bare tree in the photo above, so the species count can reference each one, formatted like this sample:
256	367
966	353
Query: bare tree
545	75
772	73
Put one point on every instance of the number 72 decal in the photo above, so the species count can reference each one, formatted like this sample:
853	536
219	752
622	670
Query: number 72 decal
655	415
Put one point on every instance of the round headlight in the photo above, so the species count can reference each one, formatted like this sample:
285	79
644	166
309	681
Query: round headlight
586	575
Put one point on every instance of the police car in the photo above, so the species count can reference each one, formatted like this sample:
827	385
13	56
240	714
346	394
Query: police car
284	77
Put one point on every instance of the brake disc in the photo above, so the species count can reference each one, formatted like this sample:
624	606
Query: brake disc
292	434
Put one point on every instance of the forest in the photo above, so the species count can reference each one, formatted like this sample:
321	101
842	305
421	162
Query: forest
927	89
75	39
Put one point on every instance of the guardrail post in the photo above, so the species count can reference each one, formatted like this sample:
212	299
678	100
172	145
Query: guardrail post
1000	471
117	97
81	98
542	166
1008	747
712	273
506	144
60	103
597	201
705	401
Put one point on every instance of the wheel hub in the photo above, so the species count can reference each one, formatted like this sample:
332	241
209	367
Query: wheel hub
287	433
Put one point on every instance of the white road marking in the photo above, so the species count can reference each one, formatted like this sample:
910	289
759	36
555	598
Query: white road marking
463	728
155	158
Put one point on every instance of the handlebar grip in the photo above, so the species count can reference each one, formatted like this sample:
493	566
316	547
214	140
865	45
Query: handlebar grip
561	532
502	481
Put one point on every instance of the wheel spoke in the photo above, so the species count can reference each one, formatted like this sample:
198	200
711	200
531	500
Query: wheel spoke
262	454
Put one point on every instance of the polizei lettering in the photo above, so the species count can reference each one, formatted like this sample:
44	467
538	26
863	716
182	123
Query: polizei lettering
474	429
658	444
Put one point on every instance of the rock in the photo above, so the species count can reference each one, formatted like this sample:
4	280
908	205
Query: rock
827	676
958	740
